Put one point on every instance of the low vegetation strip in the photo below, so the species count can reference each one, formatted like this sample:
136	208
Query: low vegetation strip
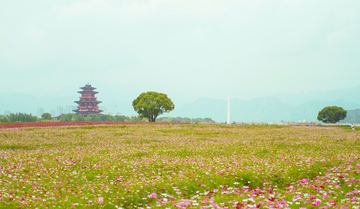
180	166
62	124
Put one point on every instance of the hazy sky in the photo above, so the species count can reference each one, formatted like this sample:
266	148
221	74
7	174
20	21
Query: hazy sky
185	48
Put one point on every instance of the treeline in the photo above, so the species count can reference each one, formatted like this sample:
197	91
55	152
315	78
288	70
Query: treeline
95	117
123	118
353	116
23	117
18	117
185	120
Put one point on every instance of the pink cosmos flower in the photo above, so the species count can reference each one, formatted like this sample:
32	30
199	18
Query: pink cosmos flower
100	200
152	195
317	203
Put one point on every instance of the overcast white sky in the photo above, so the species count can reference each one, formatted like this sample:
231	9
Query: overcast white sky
185	48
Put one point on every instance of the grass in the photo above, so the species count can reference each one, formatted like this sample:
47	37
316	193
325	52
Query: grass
349	128
14	147
186	166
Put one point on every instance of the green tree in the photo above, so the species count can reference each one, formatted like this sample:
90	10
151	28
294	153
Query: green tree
67	118
121	118
332	114
46	116
22	117
107	118
135	119
185	120
93	117
79	118
87	118
152	104
4	118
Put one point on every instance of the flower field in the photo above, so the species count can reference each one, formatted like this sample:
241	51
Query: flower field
59	124
179	166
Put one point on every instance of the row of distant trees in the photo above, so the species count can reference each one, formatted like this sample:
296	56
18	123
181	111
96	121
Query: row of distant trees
121	118
331	114
96	117
185	120
23	117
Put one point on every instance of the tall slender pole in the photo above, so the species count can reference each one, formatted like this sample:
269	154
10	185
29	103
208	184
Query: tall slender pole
228	113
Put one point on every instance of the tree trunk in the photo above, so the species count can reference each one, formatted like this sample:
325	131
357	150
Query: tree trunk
151	119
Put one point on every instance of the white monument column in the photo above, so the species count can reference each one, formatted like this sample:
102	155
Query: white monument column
228	113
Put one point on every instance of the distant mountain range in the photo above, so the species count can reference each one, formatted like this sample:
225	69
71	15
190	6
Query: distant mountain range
278	107
348	94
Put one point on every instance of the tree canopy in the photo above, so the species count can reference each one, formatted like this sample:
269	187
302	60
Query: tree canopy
121	118
185	120
4	118
152	104
107	118
332	114
46	116
93	117
67	118
22	117
79	118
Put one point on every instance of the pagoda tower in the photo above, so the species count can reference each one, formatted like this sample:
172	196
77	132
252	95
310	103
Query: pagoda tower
88	103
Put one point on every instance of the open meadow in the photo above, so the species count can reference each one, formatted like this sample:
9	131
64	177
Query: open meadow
179	165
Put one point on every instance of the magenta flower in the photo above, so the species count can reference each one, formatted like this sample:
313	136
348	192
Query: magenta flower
152	195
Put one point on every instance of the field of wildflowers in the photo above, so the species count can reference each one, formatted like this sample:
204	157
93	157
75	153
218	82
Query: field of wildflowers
179	166
60	124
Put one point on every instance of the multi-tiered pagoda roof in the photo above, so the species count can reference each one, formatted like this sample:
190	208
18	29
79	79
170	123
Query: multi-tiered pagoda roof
88	103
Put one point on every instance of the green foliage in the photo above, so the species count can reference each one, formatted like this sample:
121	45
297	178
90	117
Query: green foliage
13	147
353	116
152	104
185	120
107	118
349	128
137	119
93	117
67	118
46	116
22	117
79	118
331	114
4	118
121	118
